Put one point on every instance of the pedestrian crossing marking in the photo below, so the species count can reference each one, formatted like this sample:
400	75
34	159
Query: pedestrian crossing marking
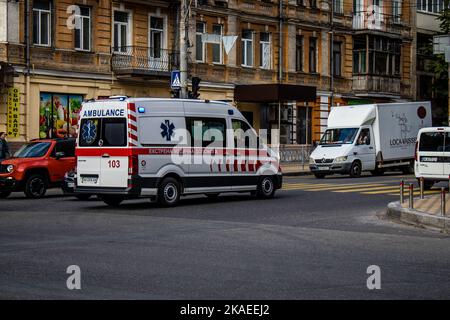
372	189
361	188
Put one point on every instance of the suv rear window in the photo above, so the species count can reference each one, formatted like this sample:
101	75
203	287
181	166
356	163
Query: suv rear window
106	132
431	142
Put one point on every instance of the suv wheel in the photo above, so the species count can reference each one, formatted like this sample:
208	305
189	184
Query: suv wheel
5	194
266	187
169	192
36	186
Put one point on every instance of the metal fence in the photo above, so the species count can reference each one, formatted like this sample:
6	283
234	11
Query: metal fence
295	153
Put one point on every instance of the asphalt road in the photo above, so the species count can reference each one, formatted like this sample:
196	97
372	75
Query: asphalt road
315	240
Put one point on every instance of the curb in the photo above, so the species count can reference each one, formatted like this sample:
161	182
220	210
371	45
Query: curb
417	218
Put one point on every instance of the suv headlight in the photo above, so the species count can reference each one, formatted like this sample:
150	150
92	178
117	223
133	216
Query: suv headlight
312	161
340	159
10	168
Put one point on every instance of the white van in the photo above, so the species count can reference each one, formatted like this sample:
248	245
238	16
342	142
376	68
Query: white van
432	160
164	148
372	137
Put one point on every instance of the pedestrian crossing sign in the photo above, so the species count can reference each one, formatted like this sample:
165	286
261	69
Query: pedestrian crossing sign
175	82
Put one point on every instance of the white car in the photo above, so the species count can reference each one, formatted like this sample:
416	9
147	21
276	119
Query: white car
432	160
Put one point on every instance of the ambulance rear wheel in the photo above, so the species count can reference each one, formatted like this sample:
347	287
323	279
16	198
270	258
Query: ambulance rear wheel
169	192
112	201
266	188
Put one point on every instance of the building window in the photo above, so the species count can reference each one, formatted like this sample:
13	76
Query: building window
396	10
299	53
312	55
265	51
337	61
156	37
217	46
247	48
121	31
83	32
384	56
41	22
359	55
313	4
338	6
430	6
58	115
301	3
199	45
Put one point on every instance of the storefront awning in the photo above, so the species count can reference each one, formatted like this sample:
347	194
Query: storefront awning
274	92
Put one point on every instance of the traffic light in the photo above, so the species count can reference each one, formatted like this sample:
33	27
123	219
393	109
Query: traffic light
194	94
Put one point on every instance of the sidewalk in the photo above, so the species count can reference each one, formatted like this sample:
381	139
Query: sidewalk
426	213
295	169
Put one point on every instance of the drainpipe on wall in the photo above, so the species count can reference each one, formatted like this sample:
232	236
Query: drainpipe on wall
280	61
27	69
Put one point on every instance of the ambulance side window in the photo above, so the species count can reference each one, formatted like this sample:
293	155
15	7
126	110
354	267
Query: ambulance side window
207	131
244	137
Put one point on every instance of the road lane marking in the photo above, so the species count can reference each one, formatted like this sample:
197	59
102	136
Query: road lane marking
330	187
371	189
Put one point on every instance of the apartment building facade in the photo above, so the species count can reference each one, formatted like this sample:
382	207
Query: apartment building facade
429	86
102	47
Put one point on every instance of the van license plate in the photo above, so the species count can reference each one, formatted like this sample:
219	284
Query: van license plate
89	180
324	168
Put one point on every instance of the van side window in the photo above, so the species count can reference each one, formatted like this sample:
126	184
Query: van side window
364	137
244	137
431	142
205	131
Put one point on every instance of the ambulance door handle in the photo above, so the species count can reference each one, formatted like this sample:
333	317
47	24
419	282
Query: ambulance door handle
105	155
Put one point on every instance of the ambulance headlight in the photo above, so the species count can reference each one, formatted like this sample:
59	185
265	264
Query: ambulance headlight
10	168
312	161
340	159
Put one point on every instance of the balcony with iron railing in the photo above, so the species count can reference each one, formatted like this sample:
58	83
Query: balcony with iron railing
143	61
377	21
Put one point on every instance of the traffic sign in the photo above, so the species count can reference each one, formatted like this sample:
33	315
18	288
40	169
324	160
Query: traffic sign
175	82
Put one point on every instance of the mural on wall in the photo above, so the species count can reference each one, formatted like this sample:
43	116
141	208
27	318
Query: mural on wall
58	116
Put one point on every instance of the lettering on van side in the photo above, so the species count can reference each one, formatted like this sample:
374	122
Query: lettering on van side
104	113
402	141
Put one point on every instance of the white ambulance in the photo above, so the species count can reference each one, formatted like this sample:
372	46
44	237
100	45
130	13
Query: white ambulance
163	148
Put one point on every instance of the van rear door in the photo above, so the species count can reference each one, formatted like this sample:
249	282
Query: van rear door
431	153
103	153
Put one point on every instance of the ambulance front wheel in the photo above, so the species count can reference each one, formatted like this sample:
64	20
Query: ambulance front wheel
169	192
266	188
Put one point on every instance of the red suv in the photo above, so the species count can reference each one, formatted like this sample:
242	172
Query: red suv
37	166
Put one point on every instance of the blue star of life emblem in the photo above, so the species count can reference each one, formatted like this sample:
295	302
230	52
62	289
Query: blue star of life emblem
89	131
167	130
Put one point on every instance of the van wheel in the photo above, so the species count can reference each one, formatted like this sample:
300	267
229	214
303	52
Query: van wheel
408	169
319	175
169	192
427	184
212	195
83	197
266	188
112	201
355	170
35	186
377	172
5	194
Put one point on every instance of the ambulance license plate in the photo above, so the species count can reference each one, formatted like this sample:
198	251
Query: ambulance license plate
324	168
89	180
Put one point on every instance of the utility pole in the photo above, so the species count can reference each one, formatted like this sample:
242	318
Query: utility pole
331	53
184	43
